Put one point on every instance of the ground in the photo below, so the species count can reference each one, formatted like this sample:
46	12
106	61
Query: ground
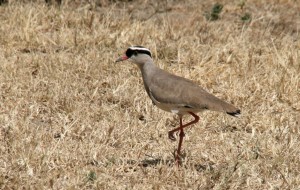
72	118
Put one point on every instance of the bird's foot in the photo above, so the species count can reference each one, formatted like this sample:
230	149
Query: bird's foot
171	136
178	158
178	161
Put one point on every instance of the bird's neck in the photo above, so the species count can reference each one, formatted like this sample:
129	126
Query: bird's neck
148	68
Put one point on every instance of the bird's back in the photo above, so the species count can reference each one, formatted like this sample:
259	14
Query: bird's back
182	94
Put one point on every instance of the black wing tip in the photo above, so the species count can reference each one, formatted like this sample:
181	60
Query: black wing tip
236	113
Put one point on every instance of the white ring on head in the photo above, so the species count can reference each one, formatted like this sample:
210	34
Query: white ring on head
139	48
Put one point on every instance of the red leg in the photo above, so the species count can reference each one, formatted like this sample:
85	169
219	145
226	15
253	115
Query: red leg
177	157
181	134
171	133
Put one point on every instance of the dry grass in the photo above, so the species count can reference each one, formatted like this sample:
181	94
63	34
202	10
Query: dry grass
73	119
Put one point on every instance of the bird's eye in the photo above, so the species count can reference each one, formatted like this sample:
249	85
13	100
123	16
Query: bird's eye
135	53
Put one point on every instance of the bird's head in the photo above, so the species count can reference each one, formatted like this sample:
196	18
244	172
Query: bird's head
137	54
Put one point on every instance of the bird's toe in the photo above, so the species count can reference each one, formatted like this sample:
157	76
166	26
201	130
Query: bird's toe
171	136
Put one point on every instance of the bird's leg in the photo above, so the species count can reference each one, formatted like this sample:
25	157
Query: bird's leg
171	133
178	155
181	135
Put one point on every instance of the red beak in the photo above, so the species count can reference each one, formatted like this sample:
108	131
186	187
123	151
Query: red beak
123	58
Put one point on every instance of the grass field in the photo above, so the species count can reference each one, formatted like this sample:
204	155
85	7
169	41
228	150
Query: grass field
71	118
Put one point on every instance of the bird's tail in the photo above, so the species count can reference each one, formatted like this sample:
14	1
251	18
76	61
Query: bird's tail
234	113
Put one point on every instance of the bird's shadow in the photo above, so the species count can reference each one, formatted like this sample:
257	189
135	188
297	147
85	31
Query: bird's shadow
152	162
156	161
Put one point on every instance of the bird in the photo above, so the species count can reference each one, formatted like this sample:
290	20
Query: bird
174	94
